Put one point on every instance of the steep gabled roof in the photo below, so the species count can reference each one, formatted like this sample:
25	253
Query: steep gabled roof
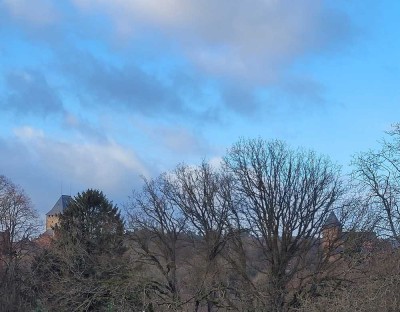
60	205
332	221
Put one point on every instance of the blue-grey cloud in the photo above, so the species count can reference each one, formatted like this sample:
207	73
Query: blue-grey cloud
85	129
242	47
128	88
28	92
43	12
240	99
302	90
125	87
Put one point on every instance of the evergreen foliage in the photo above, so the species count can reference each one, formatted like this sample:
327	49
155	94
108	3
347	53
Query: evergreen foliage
85	269
93	222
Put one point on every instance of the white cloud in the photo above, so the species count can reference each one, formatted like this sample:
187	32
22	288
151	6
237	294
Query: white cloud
108	166
27	133
247	39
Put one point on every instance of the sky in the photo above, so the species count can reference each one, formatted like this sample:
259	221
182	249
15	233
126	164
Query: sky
99	93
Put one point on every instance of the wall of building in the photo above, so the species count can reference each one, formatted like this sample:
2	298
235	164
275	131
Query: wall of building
331	238
51	221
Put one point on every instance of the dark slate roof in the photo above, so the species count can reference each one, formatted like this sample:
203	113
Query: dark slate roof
60	205
332	221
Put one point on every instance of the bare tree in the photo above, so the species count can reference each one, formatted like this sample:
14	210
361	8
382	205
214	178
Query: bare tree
18	223
378	176
181	224
204	196
157	226
247	236
285	196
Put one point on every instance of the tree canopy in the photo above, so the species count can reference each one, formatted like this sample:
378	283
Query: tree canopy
93	221
249	234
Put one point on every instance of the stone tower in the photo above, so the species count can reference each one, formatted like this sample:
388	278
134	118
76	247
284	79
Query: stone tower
331	233
53	215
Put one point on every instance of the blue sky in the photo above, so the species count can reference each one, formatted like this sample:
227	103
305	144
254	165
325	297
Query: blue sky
96	93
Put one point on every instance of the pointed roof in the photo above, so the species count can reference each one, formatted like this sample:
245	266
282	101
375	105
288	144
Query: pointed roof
332	221
60	205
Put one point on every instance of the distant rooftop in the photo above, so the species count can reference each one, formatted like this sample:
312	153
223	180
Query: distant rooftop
60	205
332	221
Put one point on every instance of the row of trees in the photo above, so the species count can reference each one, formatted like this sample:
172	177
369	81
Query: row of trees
245	236
250	226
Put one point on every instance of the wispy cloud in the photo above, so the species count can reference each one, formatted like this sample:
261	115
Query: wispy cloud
175	139
103	164
45	162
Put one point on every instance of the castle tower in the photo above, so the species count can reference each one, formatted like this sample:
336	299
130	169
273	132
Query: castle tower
53	215
331	232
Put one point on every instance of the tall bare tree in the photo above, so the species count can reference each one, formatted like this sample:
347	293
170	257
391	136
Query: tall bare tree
285	196
378	175
19	222
204	196
181	223
157	226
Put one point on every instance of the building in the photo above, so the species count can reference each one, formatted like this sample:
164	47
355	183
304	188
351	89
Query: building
335	241
52	217
331	232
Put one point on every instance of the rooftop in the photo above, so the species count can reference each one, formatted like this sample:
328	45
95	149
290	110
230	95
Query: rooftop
332	221
60	205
